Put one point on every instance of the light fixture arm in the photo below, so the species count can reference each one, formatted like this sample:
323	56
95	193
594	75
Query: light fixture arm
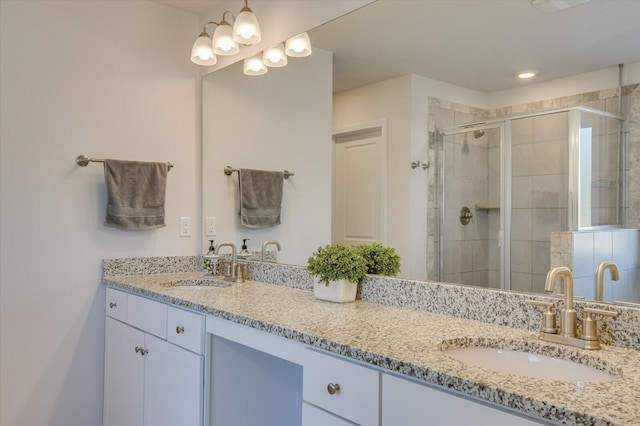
222	22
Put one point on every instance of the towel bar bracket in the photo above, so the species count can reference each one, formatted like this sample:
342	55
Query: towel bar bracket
228	170
83	161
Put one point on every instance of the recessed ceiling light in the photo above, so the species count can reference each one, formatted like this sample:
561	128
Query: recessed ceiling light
526	75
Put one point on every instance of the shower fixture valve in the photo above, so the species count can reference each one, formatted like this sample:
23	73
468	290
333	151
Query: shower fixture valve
465	215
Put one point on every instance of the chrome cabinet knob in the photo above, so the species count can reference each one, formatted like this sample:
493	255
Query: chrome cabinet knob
138	349
179	329
333	388
112	305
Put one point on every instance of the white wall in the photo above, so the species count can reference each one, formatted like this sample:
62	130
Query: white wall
388	100
107	79
278	121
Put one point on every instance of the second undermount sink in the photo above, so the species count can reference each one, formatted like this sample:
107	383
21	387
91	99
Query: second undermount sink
533	365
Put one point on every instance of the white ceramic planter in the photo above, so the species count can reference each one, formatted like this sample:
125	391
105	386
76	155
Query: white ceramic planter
337	291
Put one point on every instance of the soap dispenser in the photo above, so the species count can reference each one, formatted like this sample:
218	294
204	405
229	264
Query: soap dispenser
244	251
211	261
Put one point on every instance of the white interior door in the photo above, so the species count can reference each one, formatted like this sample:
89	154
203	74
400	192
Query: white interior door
359	190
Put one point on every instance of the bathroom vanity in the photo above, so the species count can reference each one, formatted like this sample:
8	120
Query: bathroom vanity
258	353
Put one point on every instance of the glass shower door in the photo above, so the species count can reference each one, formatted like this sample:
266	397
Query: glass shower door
539	201
470	212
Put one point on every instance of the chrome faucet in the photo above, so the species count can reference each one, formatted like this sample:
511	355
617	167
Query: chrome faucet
264	248
567	334
567	313
235	273
599	282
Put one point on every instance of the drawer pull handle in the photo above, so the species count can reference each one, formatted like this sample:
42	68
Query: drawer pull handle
179	329
112	305
333	388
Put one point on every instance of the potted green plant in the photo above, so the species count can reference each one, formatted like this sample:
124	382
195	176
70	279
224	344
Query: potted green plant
337	270
381	260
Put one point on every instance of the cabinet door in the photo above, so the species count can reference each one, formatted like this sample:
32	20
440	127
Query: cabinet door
123	375
408	403
313	416
173	391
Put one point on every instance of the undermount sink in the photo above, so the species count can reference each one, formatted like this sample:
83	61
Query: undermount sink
527	364
197	284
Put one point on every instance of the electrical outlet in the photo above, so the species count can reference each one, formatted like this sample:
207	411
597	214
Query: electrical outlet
210	226
185	226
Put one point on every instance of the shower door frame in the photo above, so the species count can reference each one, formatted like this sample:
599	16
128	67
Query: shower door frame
573	138
504	234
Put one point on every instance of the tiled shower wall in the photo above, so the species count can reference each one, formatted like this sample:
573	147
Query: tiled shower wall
583	251
530	262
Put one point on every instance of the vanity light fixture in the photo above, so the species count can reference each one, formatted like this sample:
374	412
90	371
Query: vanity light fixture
525	75
298	46
275	56
202	52
223	42
254	65
246	29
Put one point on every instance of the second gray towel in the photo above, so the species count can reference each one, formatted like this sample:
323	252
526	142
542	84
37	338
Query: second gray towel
260	198
136	192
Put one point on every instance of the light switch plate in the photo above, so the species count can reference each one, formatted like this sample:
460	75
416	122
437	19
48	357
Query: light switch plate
210	226
185	226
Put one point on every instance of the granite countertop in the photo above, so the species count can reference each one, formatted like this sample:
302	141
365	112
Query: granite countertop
410	342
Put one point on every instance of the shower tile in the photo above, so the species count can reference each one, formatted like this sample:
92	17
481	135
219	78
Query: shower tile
584	287
537	282
494	255
522	131
561	259
549	191
453	278
521	224
620	290
494	191
480	162
541	257
453	191
602	247
549	127
493	137
494	279
521	160
521	256
466	278
548	158
480	258
481	278
546	221
452	228
463	118
520	282
452	257
583	254
521	197
443	118
493	158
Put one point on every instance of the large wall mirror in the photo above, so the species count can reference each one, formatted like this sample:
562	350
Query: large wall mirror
408	112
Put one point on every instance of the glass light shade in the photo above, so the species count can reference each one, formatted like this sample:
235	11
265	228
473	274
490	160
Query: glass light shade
202	53
298	46
275	56
255	66
246	29
223	43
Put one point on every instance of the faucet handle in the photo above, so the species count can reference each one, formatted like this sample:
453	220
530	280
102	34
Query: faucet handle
548	318
589	325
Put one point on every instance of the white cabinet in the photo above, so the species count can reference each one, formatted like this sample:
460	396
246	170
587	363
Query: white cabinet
148	380
313	416
341	387
407	403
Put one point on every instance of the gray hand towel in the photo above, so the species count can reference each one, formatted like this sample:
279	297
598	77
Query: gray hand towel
260	198
136	192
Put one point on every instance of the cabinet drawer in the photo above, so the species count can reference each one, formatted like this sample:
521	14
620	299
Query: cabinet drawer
147	315
185	329
313	416
116	304
357	399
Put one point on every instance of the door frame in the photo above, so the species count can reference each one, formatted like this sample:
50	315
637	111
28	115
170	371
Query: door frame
355	129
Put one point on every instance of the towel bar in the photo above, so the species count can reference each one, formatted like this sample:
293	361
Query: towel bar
228	170
82	161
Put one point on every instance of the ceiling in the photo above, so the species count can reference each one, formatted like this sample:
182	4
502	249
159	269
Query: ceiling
478	44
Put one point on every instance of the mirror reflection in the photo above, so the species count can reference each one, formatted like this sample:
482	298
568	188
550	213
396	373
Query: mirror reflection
406	154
